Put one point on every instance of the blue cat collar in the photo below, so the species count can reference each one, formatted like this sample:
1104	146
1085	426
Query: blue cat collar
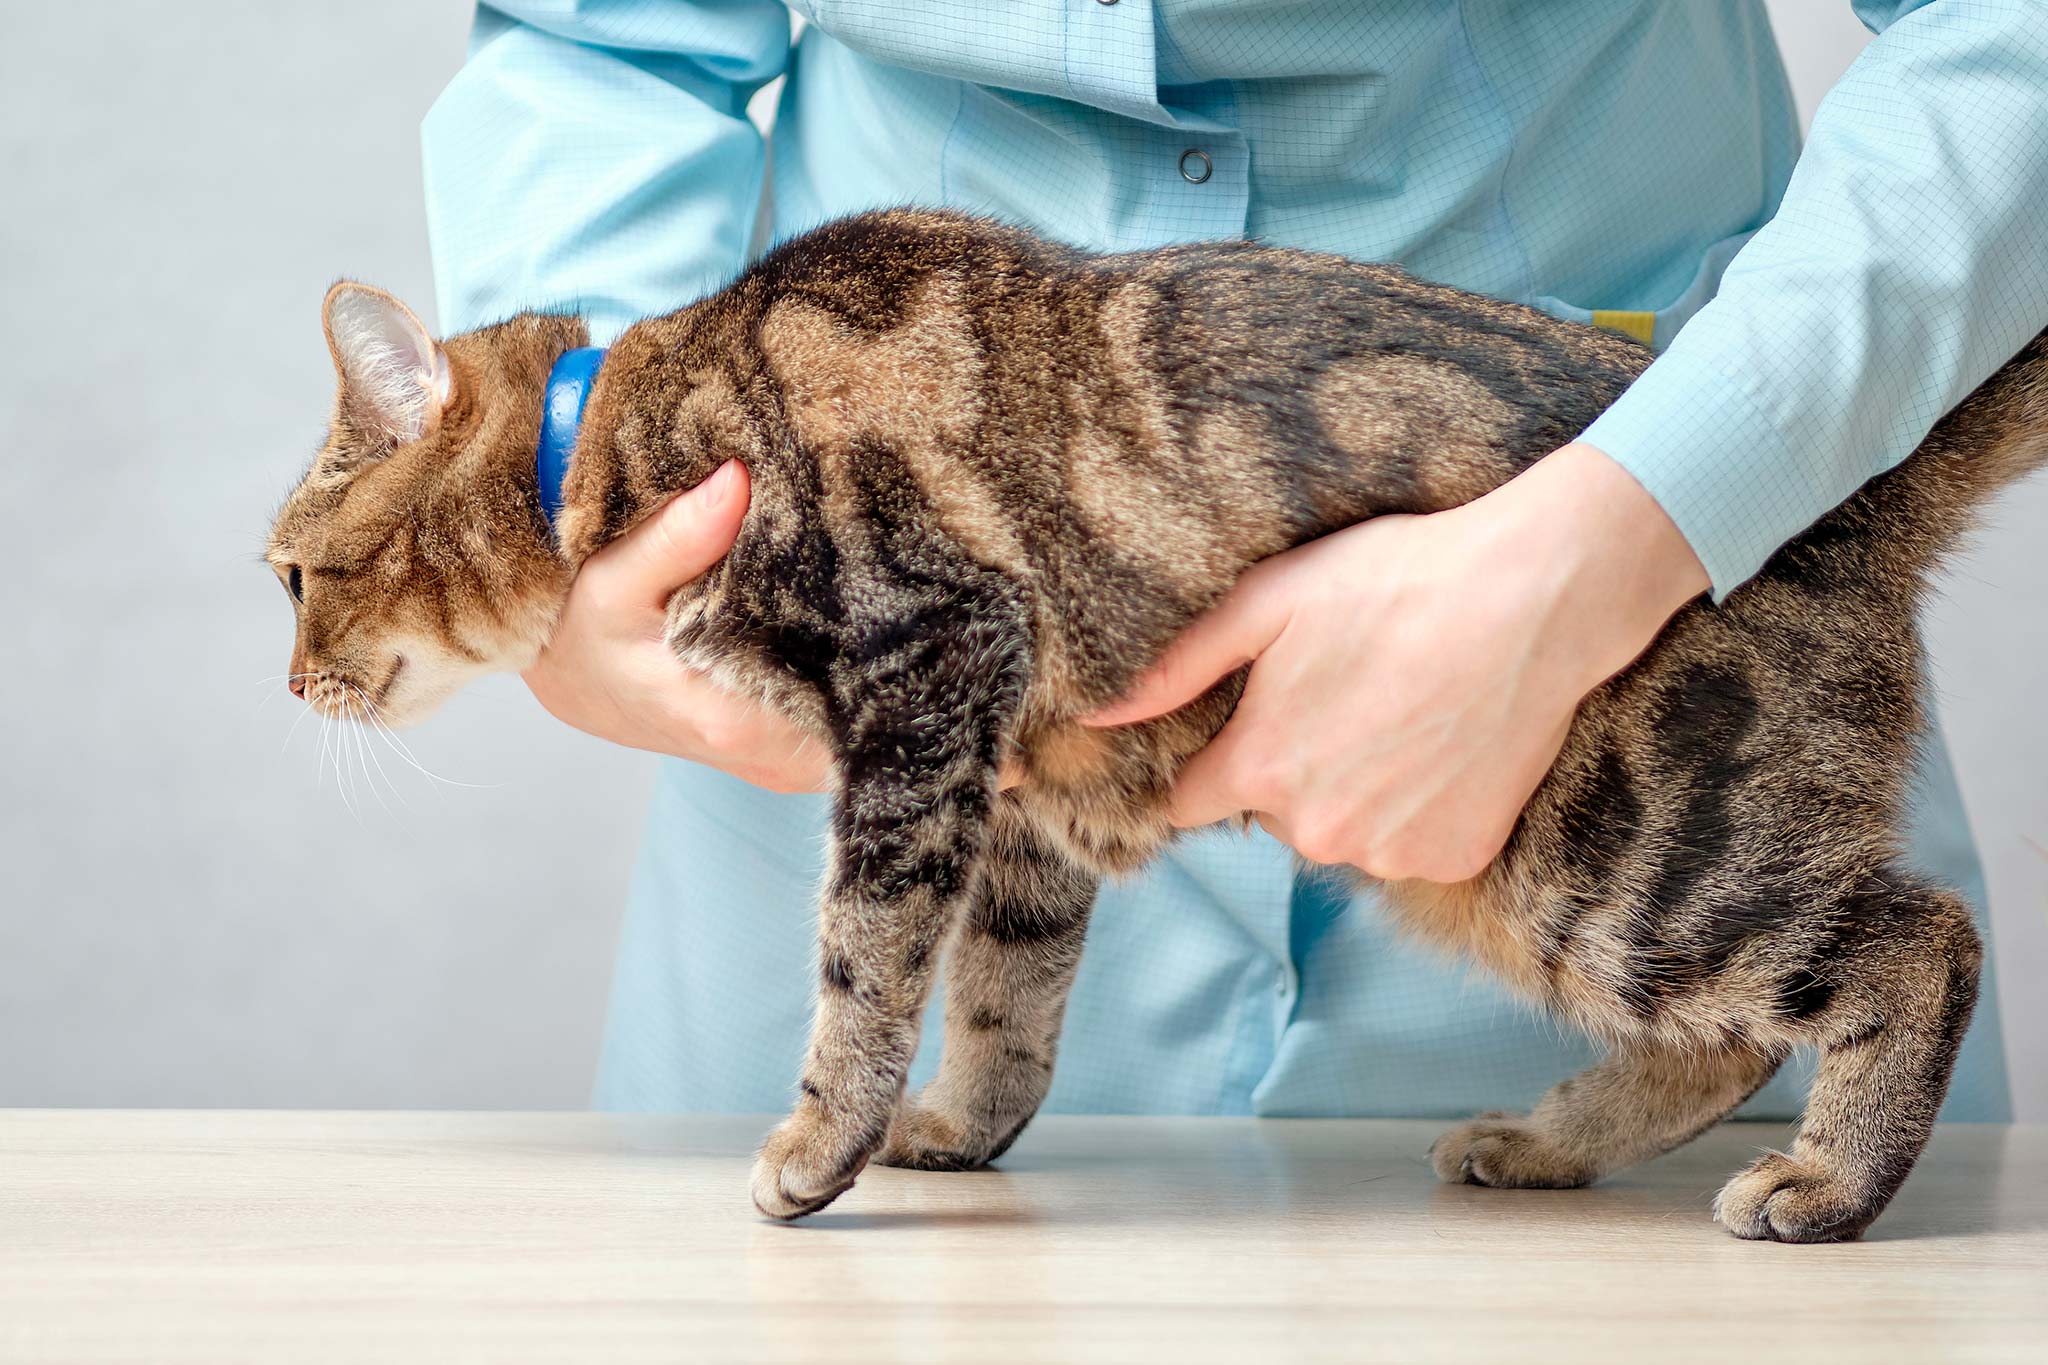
561	417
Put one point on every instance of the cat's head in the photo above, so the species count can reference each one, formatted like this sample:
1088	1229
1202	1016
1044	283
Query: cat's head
413	550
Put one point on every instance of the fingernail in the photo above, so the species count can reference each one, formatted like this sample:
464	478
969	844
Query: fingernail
719	486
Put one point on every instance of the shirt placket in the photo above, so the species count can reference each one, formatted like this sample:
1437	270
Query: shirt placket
1193	166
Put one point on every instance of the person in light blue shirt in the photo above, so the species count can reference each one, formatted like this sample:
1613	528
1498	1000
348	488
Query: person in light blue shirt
1633	165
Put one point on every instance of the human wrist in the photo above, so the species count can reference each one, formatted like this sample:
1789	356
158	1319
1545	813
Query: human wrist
1612	565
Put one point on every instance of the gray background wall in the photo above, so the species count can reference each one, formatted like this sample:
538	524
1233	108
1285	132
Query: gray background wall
190	912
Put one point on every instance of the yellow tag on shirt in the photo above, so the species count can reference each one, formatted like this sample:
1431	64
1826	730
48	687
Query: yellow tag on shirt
1641	326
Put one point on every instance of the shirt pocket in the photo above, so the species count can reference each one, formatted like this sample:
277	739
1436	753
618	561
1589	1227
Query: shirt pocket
1656	328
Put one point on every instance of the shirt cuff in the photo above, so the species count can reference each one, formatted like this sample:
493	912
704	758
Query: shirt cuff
1715	453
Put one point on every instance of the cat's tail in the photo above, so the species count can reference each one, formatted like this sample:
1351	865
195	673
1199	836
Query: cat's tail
1901	523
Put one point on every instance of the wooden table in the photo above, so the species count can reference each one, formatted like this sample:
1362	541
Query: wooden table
286	1237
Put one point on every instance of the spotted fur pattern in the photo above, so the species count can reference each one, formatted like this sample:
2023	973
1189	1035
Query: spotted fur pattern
993	477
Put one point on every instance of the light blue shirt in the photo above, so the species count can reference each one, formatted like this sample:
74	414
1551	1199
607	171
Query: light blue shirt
1636	165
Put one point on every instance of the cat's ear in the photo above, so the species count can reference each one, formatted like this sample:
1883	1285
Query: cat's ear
393	376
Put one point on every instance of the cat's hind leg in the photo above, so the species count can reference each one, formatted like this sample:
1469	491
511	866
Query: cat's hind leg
1641	1100
1008	972
918	739
1887	1006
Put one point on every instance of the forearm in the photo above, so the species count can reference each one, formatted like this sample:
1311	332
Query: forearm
1652	568
1595	551
1905	264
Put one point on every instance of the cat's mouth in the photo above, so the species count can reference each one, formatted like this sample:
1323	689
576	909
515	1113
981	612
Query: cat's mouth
332	694
390	679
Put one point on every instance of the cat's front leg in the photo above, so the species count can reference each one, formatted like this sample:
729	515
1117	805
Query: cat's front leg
1007	976
897	887
918	780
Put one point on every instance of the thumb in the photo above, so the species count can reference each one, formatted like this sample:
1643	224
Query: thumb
676	544
1228	636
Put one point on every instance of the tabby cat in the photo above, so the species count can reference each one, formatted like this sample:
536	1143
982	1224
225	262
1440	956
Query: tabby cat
994	476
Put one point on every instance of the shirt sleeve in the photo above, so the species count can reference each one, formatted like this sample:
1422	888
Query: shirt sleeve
596	155
1908	260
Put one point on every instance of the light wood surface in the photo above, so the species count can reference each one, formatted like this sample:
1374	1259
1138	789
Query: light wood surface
283	1237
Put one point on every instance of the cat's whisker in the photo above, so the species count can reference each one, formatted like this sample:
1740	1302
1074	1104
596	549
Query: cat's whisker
327	758
369	775
294	729
346	732
320	759
341	772
404	751
330	750
363	733
344	770
349	733
285	678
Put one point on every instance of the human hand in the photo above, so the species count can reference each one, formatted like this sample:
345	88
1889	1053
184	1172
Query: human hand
1414	677
608	669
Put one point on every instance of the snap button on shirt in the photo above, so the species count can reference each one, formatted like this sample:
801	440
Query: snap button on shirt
1195	166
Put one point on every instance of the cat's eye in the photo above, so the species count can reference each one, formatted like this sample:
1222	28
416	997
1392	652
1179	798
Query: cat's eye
292	584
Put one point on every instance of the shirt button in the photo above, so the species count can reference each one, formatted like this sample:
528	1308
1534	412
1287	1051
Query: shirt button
1105	2
1195	166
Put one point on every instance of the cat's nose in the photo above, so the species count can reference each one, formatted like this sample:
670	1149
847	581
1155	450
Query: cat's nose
298	686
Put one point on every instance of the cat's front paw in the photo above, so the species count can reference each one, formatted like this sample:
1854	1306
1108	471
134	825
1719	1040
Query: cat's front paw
929	1139
1506	1153
1782	1199
803	1166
